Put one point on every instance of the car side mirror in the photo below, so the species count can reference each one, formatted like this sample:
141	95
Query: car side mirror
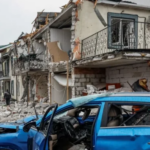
27	126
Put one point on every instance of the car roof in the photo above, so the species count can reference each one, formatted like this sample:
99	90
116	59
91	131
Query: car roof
125	97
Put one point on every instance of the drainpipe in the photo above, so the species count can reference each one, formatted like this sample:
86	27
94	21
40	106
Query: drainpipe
16	89
100	17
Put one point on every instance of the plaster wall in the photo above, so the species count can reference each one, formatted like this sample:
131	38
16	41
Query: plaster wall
63	36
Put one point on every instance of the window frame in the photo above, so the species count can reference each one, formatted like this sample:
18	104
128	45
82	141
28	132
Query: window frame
12	87
111	15
106	110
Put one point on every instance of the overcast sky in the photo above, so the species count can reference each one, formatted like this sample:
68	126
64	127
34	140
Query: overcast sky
17	15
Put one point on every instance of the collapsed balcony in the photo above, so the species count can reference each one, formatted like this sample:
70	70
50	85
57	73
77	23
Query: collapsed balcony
122	35
31	62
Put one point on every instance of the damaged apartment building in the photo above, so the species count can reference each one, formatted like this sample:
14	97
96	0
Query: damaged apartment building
95	44
7	80
112	46
42	60
109	42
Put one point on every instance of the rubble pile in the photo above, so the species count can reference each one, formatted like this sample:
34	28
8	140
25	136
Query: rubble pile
91	89
20	110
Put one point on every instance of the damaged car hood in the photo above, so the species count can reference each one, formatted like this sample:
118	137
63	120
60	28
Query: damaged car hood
8	125
14	125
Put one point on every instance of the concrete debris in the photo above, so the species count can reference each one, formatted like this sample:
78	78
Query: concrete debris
91	89
20	110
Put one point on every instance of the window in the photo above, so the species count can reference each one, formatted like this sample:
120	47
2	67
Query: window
122	31
18	88
6	68
126	115
12	87
12	62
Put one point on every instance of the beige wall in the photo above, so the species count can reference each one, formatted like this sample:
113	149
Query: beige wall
89	23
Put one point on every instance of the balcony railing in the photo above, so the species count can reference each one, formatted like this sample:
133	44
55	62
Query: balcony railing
25	65
120	36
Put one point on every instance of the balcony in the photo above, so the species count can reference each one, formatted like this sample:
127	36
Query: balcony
122	35
31	64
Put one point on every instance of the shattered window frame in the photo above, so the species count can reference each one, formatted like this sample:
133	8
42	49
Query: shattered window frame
111	16
125	103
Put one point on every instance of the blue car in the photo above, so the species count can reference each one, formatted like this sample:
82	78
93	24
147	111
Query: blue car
95	122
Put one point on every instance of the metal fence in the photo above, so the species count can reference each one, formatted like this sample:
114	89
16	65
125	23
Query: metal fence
121	35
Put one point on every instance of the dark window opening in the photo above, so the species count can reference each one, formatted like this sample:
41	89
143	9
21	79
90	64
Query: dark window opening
122	31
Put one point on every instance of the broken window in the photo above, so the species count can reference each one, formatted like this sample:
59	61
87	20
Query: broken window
122	31
127	115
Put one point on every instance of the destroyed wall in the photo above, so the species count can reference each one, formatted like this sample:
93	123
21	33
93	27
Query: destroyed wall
63	36
39	49
15	81
22	48
128	73
16	87
82	77
41	87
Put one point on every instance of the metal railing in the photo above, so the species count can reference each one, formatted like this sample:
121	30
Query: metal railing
122	35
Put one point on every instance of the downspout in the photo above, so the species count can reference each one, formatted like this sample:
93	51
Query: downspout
16	89
100	17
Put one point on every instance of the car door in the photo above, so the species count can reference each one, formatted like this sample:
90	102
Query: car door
121	137
40	139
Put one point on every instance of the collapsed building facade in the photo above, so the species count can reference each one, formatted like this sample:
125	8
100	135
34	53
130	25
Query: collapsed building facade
100	43
7	80
109	44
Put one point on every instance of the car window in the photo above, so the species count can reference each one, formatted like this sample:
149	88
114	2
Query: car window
124	115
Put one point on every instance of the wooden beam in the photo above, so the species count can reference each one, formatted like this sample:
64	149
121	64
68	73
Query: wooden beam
67	81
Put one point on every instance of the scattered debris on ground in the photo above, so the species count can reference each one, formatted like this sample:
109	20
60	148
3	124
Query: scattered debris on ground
20	110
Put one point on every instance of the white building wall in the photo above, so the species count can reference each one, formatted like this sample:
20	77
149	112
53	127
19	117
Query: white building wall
17	92
130	73
63	36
